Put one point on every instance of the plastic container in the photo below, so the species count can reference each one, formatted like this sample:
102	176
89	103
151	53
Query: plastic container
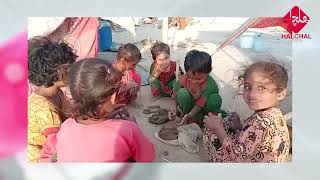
105	36
258	44
247	40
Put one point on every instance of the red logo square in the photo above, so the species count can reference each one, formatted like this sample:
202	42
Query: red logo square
296	19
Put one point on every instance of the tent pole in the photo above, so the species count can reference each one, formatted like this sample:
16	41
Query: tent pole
215	51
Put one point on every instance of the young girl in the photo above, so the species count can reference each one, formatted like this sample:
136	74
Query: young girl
128	56
196	92
93	134
162	71
48	63
263	137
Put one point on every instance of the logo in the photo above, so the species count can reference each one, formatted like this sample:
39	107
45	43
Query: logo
296	19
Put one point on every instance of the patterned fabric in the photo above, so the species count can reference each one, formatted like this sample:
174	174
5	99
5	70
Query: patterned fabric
43	119
264	138
163	85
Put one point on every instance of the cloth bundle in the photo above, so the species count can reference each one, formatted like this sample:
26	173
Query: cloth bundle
187	137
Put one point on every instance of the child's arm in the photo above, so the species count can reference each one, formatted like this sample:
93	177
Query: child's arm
49	122
195	110
215	124
152	75
136	78
178	84
251	137
49	152
155	70
143	149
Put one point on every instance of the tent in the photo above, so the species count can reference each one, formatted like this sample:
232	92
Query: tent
255	22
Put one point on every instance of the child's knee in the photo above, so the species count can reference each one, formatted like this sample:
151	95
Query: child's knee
155	83
183	93
214	102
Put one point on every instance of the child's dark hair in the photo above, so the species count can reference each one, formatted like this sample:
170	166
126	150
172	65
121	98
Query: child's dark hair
275	72
36	41
45	58
198	62
128	52
158	48
91	81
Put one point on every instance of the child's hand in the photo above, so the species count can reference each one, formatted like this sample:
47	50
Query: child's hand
235	121
133	87
157	70
213	122
184	120
130	86
54	158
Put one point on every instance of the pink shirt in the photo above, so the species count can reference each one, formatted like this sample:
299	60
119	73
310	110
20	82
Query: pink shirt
107	141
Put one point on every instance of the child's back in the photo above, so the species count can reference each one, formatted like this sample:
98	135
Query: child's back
93	135
270	129
106	141
43	119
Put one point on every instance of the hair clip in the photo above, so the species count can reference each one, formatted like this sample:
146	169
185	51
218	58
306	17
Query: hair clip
105	69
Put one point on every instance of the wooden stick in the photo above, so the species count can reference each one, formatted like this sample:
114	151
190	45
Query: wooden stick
165	159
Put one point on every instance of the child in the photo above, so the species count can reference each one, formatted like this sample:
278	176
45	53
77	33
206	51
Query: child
128	56
162	71
93	134
196	92
33	43
263	137
48	63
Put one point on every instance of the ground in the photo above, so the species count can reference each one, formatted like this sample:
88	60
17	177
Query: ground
205	34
